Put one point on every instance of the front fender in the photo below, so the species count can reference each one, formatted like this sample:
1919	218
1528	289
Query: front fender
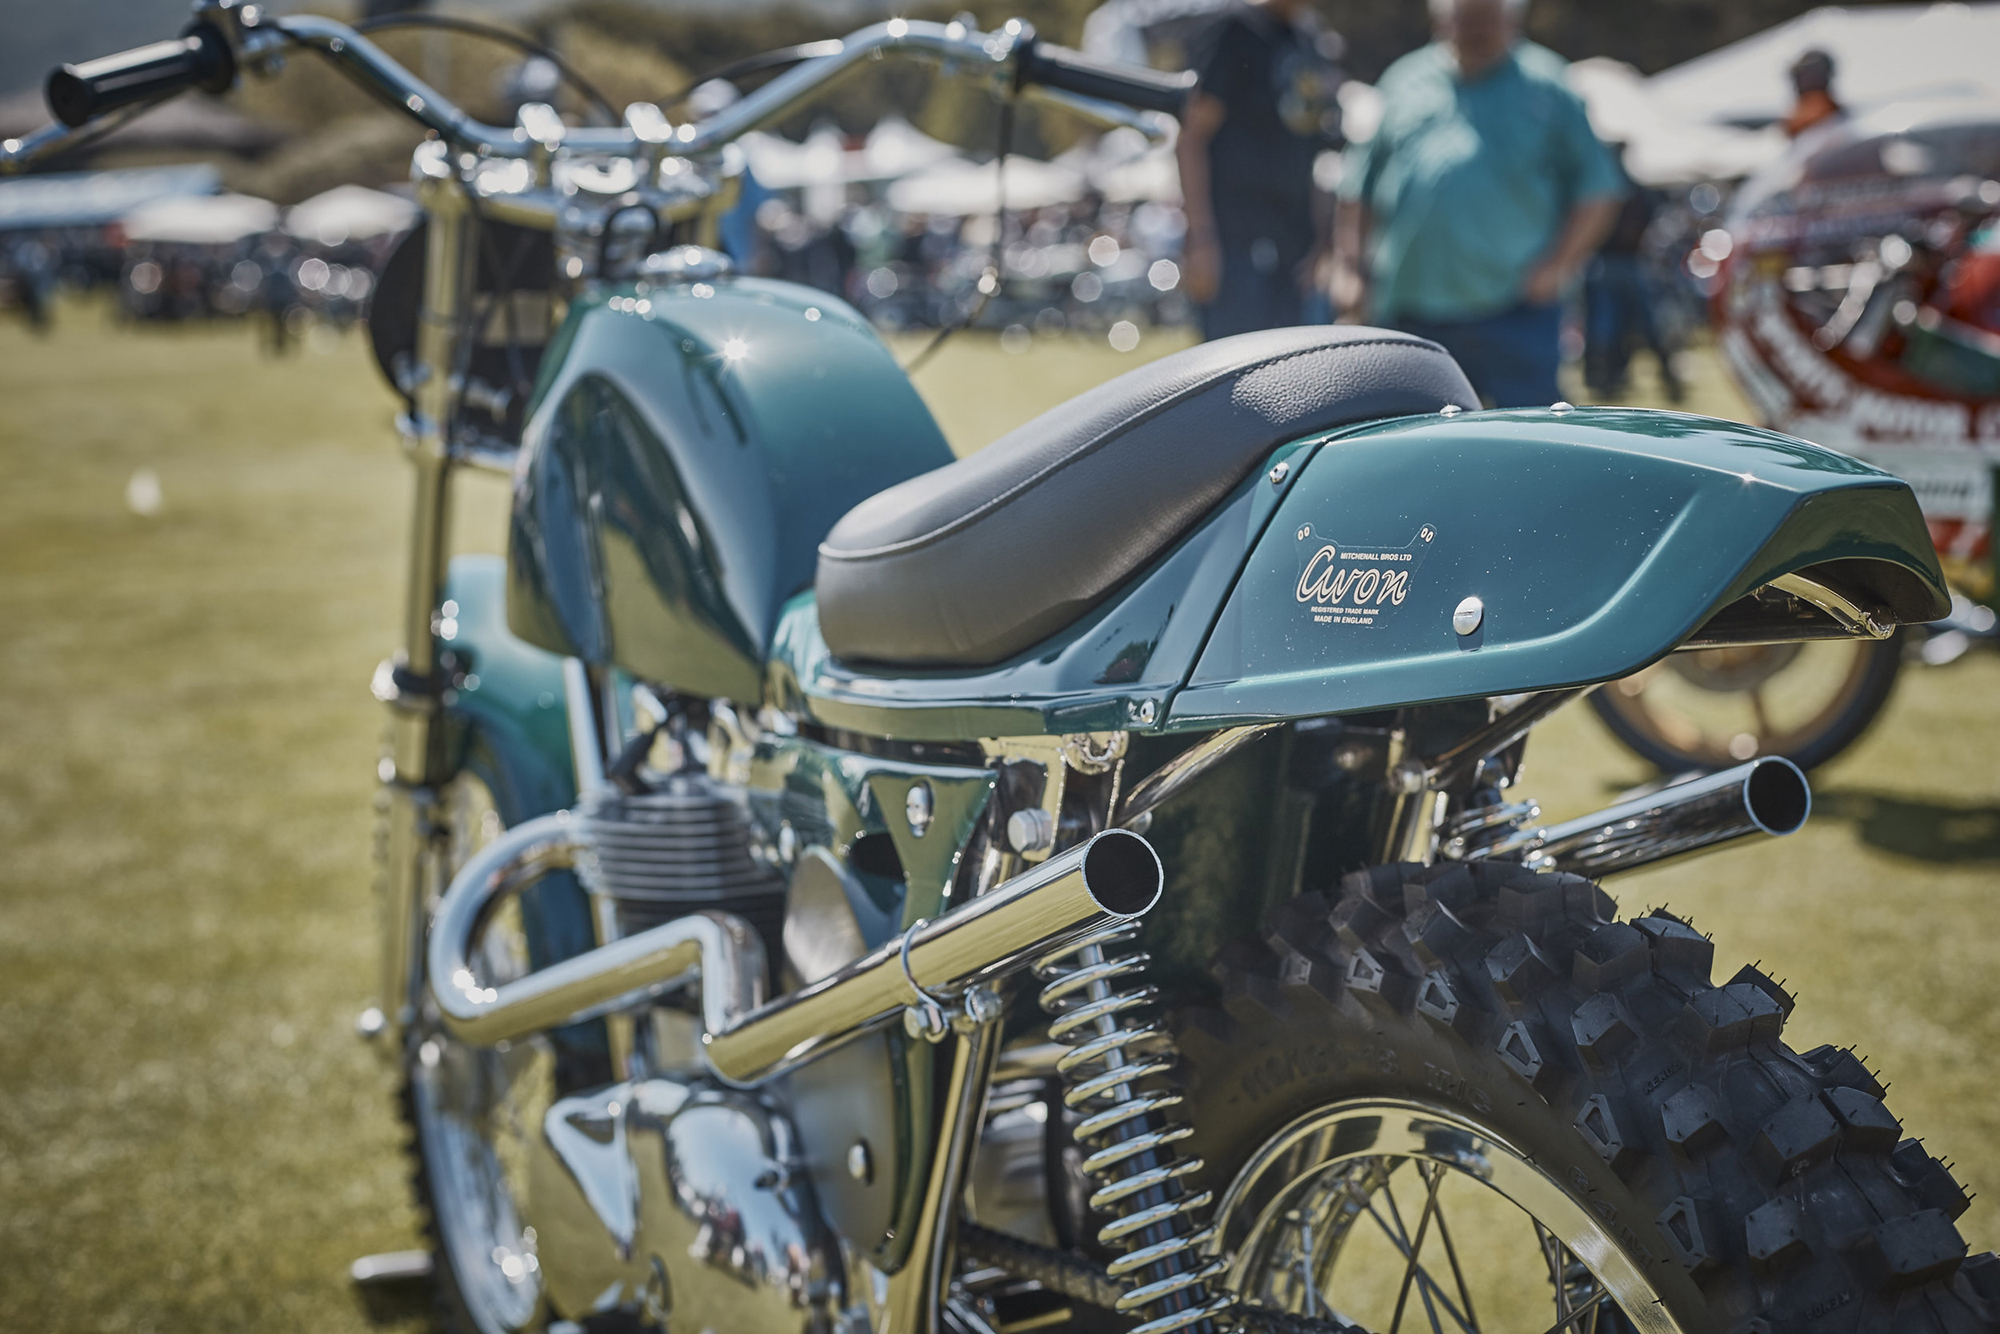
507	727
505	709
1594	541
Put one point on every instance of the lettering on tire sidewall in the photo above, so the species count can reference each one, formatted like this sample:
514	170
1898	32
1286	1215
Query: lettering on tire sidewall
1288	1067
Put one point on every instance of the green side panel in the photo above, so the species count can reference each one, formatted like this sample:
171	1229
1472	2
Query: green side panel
1595	539
510	693
689	448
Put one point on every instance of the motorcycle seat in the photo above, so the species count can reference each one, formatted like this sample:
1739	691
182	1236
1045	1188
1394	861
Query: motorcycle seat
977	561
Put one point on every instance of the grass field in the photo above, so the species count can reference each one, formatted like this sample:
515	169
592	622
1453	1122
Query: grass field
191	1139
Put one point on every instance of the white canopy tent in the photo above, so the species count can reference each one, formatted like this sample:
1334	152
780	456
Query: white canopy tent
1718	116
781	164
201	219
350	213
1662	148
957	188
1881	54
893	149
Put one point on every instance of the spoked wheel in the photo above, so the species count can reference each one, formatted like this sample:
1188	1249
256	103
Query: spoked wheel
473	1113
1420	1220
1711	708
1465	1099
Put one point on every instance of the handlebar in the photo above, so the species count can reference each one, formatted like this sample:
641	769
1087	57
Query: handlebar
1070	71
1103	94
200	58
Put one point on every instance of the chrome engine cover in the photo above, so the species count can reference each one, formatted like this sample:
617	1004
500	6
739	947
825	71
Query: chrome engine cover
680	1201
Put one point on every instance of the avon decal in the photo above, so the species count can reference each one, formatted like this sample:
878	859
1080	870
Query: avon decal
1347	584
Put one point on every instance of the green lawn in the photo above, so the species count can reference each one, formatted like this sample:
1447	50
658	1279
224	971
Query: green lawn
190	1136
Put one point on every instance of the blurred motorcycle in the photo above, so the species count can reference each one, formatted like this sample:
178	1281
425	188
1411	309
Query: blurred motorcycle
1857	295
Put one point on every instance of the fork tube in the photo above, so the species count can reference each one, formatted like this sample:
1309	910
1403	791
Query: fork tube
417	831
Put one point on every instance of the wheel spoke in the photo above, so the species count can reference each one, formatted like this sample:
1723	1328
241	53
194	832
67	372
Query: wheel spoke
1413	1263
1589	1308
1401	1242
1457	1274
1761	712
1551	1256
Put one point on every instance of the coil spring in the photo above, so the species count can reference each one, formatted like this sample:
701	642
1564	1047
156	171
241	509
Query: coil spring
1159	1226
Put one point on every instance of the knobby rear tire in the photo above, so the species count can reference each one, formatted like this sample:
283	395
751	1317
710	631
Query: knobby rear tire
1760	1190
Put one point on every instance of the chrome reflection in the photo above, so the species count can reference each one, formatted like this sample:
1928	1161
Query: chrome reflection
681	1180
1314	1185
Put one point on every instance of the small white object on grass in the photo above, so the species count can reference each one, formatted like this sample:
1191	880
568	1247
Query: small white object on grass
142	493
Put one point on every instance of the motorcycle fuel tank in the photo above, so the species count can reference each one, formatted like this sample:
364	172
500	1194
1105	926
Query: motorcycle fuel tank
689	446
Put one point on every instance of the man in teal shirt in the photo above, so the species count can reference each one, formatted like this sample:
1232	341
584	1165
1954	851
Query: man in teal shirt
1480	196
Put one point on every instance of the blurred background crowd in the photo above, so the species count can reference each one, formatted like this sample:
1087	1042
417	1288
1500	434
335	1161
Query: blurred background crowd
1335	191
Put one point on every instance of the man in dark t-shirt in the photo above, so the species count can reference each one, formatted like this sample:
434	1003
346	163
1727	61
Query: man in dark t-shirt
1263	108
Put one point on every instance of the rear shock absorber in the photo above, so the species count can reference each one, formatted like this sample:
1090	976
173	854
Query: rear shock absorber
1094	995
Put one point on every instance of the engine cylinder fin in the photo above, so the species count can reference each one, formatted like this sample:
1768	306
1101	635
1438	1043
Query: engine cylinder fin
677	849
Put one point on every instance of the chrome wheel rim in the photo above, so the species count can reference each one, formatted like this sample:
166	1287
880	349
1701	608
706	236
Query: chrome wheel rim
1325	1190
476	1110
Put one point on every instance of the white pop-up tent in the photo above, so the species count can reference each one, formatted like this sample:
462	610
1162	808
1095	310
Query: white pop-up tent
957	188
1718	116
200	219
349	213
1881	53
892	150
1661	146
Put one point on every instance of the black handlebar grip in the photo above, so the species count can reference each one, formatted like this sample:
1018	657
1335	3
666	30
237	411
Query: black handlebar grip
200	58
1134	85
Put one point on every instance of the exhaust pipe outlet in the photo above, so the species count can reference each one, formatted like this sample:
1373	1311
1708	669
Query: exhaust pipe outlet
1766	797
1114	877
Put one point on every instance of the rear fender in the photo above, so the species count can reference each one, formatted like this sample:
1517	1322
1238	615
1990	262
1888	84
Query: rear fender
1575	545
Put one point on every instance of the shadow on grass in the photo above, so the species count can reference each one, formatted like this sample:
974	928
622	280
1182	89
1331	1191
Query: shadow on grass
1926	831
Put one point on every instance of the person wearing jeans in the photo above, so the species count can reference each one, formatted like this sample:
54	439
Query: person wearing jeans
1480	197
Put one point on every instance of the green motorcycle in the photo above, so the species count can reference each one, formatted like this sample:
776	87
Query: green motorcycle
831	887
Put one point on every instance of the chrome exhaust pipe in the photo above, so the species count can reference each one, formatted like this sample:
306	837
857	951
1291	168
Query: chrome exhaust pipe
1114	877
1769	796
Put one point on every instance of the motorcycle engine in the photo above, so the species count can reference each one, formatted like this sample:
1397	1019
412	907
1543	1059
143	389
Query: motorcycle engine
666	1197
679	848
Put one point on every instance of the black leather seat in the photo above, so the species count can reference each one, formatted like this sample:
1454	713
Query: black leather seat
970	564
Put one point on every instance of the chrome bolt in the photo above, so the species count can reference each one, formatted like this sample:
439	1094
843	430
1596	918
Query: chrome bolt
1148	711
926	1022
919	808
1031	830
1279	473
1409	778
981	1005
860	1163
1450	410
1559	407
1468	616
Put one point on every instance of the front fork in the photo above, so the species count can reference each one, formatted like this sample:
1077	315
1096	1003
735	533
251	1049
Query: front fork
418	764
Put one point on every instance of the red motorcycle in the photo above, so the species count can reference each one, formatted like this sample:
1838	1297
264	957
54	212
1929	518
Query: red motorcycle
1856	292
